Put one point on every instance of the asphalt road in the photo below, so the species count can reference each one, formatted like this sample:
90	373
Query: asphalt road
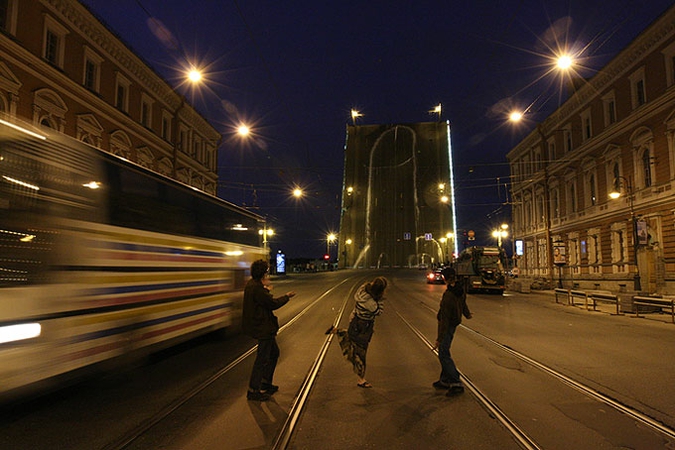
194	395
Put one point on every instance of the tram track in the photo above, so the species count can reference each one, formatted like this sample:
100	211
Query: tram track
521	437
284	434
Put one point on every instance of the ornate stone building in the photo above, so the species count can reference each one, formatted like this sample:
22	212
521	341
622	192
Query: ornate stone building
61	68
616	133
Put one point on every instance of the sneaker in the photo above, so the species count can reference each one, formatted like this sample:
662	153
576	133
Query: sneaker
269	388
258	396
440	385
455	389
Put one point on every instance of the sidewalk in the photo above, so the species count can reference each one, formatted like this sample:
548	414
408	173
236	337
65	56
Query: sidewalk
601	306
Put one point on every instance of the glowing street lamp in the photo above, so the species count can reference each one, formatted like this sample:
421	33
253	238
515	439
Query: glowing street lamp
194	75
297	193
515	116
564	62
329	240
265	233
501	233
243	130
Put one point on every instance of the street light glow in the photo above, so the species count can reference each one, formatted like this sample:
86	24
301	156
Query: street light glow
515	116
243	130
195	76
297	192
564	62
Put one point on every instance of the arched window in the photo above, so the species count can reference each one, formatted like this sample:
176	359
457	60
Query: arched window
646	168
592	195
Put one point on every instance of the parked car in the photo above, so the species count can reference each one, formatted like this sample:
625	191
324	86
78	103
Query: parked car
435	277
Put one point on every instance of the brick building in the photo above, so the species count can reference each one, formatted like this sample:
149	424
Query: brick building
62	68
616	133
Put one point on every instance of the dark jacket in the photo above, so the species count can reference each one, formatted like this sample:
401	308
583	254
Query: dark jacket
258	320
453	307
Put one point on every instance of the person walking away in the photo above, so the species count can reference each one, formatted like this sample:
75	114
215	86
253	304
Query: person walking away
453	306
354	340
259	322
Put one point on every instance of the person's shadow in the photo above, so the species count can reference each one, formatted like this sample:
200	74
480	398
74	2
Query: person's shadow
270	417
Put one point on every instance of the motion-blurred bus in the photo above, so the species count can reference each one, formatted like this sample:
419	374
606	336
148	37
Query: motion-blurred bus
101	258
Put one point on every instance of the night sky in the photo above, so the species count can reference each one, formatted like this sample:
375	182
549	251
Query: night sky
294	70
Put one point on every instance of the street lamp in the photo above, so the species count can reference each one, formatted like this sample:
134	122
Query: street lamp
615	194
348	244
265	233
329	240
501	233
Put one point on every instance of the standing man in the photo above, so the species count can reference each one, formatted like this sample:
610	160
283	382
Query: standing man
453	307
259	322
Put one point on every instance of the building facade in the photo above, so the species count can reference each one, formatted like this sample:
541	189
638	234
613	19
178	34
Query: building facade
616	133
61	68
397	203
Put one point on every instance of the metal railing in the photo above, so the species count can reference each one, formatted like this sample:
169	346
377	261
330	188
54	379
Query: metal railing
571	296
656	302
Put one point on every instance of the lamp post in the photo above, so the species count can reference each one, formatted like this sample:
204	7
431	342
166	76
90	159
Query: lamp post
637	285
265	233
501	233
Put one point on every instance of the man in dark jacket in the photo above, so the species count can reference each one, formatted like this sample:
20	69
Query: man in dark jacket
259	322
453	307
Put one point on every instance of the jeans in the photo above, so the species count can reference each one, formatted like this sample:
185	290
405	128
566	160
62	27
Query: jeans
265	363
449	373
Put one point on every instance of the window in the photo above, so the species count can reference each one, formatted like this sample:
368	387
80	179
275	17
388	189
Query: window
8	13
572	200
146	111
54	43
555	203
638	89
551	150
92	70
541	209
640	92
4	13
567	135
619	247
643	143
122	93
592	194
183	142
166	126
646	168
587	129
594	250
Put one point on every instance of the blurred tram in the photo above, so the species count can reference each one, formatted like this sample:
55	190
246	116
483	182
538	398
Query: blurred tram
101	258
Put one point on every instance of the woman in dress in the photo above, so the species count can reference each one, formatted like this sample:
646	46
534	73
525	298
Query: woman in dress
354	340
